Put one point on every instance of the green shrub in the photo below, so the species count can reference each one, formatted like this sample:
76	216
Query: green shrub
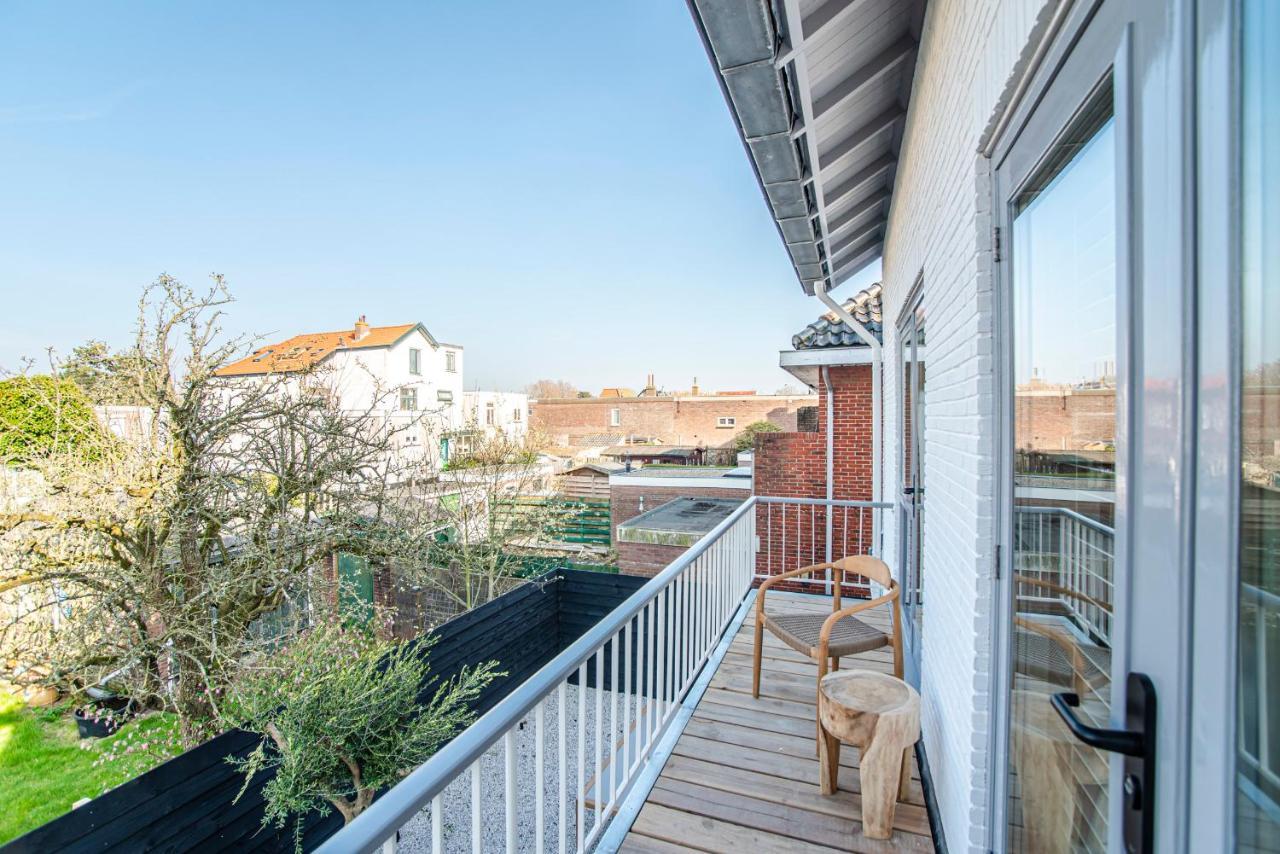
341	710
747	438
40	416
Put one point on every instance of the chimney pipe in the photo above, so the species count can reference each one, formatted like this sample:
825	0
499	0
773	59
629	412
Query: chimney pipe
362	328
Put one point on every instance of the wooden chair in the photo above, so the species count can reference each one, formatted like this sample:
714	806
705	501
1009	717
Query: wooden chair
827	639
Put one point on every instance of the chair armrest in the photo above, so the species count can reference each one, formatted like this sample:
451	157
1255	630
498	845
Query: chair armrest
828	625
782	576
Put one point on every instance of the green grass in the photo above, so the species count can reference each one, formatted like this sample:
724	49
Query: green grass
44	768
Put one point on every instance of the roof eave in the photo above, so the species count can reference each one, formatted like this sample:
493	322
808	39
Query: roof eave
806	365
762	66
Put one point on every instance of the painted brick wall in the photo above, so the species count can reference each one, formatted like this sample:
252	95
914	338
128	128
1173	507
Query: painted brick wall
939	232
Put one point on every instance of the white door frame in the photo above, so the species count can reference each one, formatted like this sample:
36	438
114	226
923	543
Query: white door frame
1152	43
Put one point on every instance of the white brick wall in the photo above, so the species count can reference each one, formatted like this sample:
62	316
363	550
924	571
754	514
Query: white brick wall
940	229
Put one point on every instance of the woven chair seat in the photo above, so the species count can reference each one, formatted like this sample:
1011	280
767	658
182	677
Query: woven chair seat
849	636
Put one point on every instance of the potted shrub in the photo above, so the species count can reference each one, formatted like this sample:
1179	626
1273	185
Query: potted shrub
343	715
102	717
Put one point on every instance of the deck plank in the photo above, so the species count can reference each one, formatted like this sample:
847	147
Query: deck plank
709	834
744	773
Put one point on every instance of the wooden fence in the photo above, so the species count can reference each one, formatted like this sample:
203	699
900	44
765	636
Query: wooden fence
572	520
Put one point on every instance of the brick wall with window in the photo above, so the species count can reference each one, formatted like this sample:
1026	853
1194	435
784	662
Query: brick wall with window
707	421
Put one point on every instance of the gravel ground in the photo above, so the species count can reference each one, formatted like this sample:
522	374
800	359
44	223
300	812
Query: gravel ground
415	836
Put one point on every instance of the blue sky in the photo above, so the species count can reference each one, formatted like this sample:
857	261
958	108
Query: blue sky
556	186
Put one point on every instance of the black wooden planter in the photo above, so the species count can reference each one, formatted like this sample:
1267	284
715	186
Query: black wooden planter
186	803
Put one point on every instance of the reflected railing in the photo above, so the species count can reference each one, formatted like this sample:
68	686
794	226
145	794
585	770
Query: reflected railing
1258	715
1067	559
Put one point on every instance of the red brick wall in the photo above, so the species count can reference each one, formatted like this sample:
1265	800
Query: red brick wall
1067	421
794	465
647	559
671	420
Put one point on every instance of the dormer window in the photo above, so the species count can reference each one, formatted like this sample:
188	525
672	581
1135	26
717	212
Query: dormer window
415	362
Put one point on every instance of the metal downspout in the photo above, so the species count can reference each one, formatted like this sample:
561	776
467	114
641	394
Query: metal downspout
831	463
820	291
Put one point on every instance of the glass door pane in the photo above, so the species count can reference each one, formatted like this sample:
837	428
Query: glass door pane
911	495
1258	714
1064	346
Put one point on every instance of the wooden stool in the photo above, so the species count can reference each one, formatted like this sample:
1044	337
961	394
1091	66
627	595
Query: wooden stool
880	715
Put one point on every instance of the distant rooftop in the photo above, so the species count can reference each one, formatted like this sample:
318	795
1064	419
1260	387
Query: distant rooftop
310	348
679	522
678	451
692	472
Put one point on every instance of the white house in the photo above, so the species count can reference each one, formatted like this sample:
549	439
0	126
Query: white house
497	412
400	373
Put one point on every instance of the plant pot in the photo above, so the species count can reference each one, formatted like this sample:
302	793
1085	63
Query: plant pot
102	718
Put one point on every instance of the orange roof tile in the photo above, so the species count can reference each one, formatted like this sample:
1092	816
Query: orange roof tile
305	351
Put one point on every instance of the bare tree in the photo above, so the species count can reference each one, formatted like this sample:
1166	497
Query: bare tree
463	536
544	389
158	554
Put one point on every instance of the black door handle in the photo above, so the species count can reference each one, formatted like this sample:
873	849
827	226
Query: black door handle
1137	743
1111	740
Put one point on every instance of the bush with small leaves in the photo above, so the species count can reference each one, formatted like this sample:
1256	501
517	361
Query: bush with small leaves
342	717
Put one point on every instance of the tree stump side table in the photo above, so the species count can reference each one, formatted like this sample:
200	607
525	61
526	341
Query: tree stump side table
880	715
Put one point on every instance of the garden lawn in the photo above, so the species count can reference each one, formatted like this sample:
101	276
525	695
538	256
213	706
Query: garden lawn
44	769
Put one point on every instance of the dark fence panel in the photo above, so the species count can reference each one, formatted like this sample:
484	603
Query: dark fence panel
585	599
186	803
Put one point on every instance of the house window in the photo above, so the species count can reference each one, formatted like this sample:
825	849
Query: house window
726	421
488	413
409	399
615	417
444	395
415	362
516	414
451	361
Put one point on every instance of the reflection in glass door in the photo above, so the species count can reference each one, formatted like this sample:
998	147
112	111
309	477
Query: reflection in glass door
1258	649
911	496
1064	346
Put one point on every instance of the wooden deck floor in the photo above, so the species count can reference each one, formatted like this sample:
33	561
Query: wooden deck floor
744	775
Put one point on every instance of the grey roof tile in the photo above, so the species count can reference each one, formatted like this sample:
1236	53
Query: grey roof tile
829	331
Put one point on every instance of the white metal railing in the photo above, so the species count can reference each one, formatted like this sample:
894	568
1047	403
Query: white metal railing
1068	558
796	532
571	739
1258	715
